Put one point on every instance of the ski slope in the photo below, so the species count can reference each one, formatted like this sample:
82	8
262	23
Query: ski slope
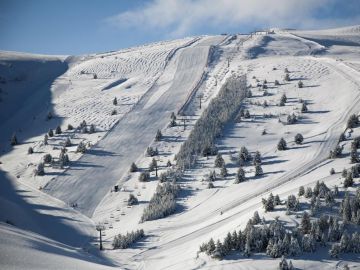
150	82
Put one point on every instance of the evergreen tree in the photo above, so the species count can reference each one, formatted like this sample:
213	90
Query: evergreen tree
247	249
344	173
46	137
210	247
158	136
67	142
257	158
283	265
13	140
70	127
132	200
269	203
342	137
258	170
219	161
287	77
240	176
115	102
256	218
133	167
300	84
277	200
51	133
92	129
334	250
305	223
301	191
247	114
223	171
81	148
294	248
58	130
349	181
332	171
168	164
282	145
144	177
308	192
276	82
299	138
219	251
39	170
353	121
30	150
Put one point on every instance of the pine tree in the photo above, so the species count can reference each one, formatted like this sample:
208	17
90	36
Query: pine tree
133	167
299	138
46	137
223	171
258	170
30	150
115	102
301	191
132	200
287	77
240	176
282	145
283	265
247	249
332	171
49	116
70	127
257	158
219	251
305	223
39	170
51	133
349	181
219	161
144	177
335	250
247	114
256	218
210	247
13	140
276	82
269	203
168	164
81	148
294	248
344	173
67	142
158	136
58	130
153	165
300	84
92	129
308	192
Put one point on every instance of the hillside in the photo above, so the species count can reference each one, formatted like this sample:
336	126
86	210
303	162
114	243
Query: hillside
105	111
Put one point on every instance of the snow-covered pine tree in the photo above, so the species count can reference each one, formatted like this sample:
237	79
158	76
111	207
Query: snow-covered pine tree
81	148
158	135
46	137
281	146
300	84
58	130
39	170
67	142
92	129
219	161
30	150
258	170
51	133
223	171
305	223
115	102
132	200
257	158
301	191
240	176
299	138
133	167
144	176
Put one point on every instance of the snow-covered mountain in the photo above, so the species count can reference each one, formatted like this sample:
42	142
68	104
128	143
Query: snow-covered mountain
114	104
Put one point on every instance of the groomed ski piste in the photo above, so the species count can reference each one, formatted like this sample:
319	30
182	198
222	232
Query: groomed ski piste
48	222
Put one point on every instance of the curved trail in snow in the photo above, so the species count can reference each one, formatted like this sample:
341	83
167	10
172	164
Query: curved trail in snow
103	165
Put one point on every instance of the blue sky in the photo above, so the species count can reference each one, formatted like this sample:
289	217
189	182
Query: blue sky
79	26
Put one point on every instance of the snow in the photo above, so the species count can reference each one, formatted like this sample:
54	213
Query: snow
149	83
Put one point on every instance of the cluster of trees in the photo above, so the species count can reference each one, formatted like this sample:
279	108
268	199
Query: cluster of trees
350	208
151	152
291	119
124	241
354	156
162	203
350	174
209	126
336	152
270	203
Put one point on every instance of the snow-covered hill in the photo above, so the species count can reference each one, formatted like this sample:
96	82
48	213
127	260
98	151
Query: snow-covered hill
51	219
